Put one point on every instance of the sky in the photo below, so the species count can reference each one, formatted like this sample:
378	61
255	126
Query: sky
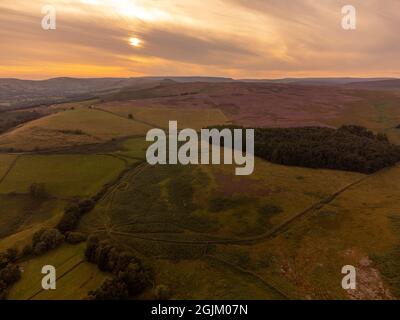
231	38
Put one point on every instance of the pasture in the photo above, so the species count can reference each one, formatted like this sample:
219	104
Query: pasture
159	116
75	276
205	219
62	175
68	128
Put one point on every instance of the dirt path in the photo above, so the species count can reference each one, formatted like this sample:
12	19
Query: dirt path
251	276
121	185
267	235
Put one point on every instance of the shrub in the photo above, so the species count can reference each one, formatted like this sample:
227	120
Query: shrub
161	292
131	276
114	289
73	214
27	250
46	239
12	254
3	290
75	237
10	274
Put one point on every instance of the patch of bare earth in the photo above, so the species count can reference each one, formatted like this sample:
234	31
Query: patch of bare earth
369	283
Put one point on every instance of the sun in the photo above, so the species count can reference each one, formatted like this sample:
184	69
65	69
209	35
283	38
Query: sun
136	42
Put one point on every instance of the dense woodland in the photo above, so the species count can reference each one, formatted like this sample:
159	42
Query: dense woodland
349	148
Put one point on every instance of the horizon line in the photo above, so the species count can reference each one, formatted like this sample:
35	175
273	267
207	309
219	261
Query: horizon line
212	77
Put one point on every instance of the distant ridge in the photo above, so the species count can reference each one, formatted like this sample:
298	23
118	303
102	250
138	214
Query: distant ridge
16	93
388	84
319	81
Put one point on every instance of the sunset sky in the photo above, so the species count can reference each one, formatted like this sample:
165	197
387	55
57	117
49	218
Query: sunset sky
233	38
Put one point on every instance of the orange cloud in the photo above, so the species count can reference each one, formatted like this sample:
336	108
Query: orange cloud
237	38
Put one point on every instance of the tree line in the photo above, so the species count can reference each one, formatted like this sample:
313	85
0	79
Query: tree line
348	148
131	276
9	271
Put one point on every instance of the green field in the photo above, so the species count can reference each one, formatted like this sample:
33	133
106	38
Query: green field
19	212
205	220
75	277
6	160
159	116
70	128
376	110
62	175
360	227
281	233
134	148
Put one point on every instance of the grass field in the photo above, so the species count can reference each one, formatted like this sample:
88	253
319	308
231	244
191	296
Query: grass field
6	160
19	212
205	219
62	175
283	232
75	277
159	116
24	229
72	127
134	148
360	228
376	110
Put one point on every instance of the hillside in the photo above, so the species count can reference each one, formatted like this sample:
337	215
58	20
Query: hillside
323	194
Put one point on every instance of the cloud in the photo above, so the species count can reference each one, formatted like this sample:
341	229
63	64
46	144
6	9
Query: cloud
238	38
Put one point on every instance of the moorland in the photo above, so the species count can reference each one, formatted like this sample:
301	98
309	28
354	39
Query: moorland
76	191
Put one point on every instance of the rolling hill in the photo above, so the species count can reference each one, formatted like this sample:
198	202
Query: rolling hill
282	233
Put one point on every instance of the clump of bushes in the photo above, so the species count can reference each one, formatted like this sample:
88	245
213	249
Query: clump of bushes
46	239
75	237
131	277
161	292
9	271
112	289
73	214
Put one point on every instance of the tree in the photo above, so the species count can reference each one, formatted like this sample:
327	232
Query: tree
12	254
73	214
75	237
135	278
27	250
38	190
46	239
70	219
10	274
3	290
91	246
161	292
114	289
40	248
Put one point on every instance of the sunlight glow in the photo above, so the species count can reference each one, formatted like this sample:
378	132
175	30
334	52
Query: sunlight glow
136	42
